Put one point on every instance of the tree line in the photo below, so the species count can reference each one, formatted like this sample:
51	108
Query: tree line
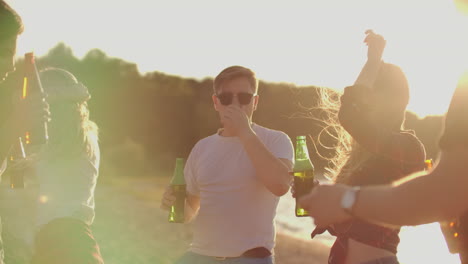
147	120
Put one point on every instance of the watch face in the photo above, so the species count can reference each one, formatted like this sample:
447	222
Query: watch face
348	199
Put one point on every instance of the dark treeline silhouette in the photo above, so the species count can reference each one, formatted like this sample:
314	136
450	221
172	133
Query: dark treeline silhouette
146	121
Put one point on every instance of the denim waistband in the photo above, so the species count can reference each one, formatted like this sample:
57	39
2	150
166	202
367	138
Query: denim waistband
384	260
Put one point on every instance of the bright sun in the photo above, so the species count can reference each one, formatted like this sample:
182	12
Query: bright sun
310	42
428	40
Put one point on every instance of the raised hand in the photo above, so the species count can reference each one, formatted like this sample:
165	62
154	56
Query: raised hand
376	45
28	113
236	120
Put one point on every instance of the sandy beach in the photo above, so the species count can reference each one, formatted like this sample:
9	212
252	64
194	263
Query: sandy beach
131	229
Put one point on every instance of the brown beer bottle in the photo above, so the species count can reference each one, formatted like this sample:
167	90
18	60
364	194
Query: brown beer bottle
177	210
32	85
16	172
303	174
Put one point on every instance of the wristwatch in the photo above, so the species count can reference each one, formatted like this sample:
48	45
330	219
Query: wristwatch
349	199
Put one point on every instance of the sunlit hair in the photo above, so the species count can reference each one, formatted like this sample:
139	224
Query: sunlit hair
348	154
325	113
10	22
232	73
71	132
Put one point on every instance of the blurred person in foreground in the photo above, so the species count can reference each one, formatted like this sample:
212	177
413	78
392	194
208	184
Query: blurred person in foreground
24	115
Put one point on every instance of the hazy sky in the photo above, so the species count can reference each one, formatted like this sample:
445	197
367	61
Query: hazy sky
314	42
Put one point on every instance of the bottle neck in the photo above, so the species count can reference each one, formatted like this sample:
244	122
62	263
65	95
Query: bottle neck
301	150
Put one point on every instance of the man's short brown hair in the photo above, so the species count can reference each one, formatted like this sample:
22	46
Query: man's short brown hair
11	24
233	72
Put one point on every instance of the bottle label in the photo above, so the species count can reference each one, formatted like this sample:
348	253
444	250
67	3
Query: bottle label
303	184
176	213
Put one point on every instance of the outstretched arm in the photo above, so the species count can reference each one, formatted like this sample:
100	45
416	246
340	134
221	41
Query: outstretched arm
376	45
438	196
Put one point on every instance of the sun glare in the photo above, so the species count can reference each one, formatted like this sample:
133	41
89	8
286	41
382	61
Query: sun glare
306	42
424	244
312	42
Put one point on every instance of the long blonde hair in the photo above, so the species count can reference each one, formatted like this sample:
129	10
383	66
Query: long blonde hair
348	154
71	132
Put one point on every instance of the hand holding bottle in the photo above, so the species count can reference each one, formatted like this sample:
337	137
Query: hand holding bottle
324	204
27	114
293	189
303	173
168	198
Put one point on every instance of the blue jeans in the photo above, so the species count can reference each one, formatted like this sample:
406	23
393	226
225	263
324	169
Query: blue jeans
385	260
193	258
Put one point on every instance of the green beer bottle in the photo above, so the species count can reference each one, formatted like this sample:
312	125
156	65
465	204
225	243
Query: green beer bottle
176	213
303	173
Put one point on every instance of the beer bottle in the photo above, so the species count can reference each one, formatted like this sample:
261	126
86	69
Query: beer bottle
303	173
16	172
32	85
176	212
429	163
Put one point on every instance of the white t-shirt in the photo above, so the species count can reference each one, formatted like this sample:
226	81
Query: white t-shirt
66	189
53	189
236	210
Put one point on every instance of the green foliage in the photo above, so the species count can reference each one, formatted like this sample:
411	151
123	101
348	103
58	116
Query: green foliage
125	159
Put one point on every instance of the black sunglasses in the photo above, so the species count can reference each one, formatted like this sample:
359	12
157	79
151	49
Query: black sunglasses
227	97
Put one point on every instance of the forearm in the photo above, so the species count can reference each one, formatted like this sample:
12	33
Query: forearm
438	196
369	73
270	170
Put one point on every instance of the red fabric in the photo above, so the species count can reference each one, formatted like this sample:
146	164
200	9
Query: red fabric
66	240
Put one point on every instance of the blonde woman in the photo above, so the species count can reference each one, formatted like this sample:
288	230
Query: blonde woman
61	178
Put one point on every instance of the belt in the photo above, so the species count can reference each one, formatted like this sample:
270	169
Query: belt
258	252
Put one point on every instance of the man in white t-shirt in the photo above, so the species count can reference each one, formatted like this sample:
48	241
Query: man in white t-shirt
235	178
